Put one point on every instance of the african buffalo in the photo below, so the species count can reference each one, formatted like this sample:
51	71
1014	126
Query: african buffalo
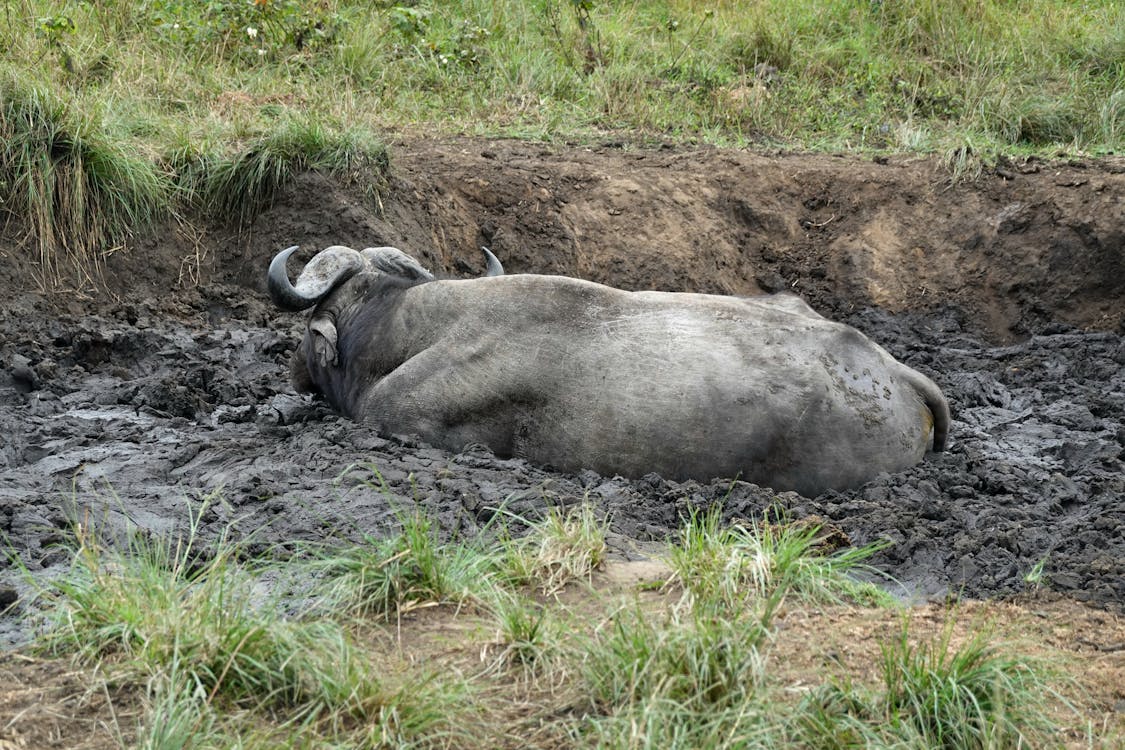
578	375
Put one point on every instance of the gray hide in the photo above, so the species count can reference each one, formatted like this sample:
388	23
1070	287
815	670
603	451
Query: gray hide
577	375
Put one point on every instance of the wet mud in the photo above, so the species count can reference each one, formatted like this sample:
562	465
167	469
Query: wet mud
132	414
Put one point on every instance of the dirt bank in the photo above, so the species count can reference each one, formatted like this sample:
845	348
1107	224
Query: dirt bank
1008	291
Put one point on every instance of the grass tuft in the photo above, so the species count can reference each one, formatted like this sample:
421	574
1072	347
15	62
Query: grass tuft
737	565
699	661
934	694
162	606
411	569
236	187
74	190
529	636
565	546
688	680
971	696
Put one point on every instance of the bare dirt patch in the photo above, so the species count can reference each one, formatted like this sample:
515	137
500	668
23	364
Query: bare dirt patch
51	703
1009	291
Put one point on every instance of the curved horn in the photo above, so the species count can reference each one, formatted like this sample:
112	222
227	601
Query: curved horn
493	267
327	270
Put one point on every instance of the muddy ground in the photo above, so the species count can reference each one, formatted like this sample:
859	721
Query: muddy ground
132	405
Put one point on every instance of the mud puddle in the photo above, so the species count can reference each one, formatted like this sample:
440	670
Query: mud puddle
131	420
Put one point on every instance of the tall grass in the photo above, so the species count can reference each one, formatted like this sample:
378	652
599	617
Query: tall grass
71	189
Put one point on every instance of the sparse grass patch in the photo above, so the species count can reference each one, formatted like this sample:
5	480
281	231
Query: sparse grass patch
566	545
737	565
197	627
529	635
623	667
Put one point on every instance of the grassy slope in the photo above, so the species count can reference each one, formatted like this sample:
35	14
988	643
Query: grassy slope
115	114
858	73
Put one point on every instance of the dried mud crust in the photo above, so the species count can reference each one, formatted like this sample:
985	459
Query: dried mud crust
1008	292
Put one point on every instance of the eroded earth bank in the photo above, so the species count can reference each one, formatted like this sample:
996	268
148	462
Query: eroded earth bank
130	406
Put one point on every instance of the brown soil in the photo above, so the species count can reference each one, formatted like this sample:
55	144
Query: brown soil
1023	245
51	703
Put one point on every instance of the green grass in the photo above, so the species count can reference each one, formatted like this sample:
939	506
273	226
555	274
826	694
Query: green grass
735	566
934	694
223	663
529	635
74	191
192	623
971	696
210	107
392	575
567	545
682	679
693	659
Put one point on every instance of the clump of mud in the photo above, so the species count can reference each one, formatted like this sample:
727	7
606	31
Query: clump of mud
129	414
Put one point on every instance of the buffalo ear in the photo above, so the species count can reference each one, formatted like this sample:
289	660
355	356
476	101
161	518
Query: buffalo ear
322	329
